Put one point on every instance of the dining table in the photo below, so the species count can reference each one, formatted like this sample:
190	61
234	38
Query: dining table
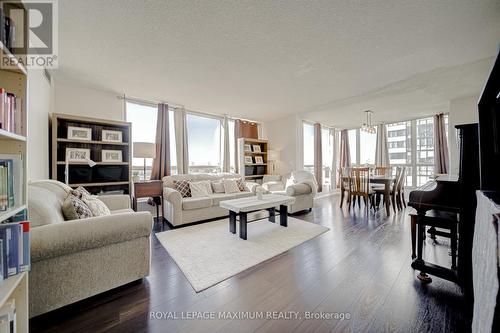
385	180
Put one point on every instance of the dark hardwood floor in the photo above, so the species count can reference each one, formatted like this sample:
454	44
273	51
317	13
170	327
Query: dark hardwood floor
361	267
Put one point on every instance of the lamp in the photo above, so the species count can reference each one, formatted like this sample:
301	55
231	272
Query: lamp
273	155
66	166
368	126
144	150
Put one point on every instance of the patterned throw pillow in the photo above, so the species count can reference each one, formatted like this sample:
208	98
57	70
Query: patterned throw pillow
200	189
183	187
74	208
231	186
97	207
241	185
80	192
218	187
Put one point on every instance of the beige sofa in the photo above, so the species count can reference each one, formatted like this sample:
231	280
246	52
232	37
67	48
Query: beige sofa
73	260
178	210
302	186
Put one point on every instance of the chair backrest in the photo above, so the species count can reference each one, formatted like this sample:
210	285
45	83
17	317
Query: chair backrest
402	178
397	178
382	170
344	177
360	181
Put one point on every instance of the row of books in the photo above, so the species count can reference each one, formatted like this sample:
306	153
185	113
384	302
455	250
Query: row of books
14	246
11	181
7	30
11	113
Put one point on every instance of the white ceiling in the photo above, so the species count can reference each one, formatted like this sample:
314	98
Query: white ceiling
264	60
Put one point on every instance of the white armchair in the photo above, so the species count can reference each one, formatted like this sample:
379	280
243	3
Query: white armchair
301	185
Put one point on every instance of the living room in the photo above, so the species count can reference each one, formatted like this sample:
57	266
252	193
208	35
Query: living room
180	166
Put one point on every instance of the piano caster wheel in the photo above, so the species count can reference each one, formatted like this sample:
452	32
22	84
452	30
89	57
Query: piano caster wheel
424	278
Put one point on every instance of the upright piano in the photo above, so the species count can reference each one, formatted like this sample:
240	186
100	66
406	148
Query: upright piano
455	195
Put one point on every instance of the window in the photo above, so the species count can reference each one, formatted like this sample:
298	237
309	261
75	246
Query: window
399	142
424	149
143	118
232	148
326	156
308	146
367	146
353	145
204	143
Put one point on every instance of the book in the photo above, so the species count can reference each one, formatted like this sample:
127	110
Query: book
4	198
5	236
1	260
12	117
25	264
10	235
11	181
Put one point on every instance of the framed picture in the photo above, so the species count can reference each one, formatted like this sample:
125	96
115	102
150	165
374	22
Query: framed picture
247	147
259	160
111	136
79	133
77	154
256	148
110	156
248	160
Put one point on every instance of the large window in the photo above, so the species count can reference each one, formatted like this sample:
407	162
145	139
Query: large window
143	118
204	143
367	146
353	145
308	146
327	156
424	149
399	144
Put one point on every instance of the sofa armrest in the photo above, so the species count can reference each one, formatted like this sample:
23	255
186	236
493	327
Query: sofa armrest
115	201
57	239
298	189
172	196
273	186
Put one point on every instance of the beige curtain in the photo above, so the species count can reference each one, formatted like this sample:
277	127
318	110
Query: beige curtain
382	148
181	142
161	163
318	158
333	166
345	155
441	159
236	137
226	163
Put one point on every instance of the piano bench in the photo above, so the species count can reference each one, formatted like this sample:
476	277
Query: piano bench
436	219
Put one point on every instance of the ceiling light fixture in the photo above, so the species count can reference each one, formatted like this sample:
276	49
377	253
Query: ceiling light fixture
368	126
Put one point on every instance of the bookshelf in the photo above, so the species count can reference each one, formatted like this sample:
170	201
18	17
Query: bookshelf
104	176
14	80
252	171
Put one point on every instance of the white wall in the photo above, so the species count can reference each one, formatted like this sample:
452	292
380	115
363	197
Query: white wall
285	135
39	104
461	111
71	97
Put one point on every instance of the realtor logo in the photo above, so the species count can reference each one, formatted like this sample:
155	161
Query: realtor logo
30	33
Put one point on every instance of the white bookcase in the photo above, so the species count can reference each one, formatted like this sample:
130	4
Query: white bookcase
15	80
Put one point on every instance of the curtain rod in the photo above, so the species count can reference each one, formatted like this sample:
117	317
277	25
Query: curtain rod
180	106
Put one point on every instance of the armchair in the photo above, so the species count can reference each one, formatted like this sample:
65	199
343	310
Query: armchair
301	185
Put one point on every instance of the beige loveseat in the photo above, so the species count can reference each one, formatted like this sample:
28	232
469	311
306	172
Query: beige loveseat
300	184
73	260
178	210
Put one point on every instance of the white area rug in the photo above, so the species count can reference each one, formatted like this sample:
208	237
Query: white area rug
208	253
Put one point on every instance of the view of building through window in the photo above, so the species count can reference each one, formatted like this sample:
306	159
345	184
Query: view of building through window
204	143
308	146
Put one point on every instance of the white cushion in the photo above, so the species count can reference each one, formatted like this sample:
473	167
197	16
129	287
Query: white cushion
218	187
217	198
230	186
290	181
200	189
196	203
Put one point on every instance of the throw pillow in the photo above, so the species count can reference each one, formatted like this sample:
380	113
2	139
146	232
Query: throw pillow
290	181
241	185
183	187
80	192
200	189
97	207
231	186
73	208
218	187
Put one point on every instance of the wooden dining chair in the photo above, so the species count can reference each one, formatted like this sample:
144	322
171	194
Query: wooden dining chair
382	170
360	188
400	194
379	191
344	184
